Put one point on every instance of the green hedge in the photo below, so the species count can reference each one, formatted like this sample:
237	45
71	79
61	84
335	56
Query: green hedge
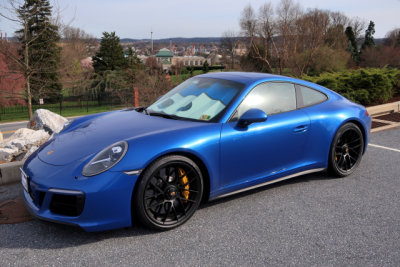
370	86
213	67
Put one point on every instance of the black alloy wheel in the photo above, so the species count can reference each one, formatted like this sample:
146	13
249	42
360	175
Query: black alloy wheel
346	150
168	193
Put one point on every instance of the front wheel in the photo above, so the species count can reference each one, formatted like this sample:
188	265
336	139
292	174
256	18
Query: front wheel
346	150
168	193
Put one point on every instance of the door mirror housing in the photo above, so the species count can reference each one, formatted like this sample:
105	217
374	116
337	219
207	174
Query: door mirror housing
253	115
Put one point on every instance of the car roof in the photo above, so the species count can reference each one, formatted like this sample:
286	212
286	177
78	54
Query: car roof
251	78
243	77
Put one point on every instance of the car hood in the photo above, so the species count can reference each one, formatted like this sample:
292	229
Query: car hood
93	135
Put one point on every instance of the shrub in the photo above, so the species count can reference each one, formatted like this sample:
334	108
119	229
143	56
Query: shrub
365	86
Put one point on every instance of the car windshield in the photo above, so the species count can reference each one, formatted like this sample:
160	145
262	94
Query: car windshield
199	98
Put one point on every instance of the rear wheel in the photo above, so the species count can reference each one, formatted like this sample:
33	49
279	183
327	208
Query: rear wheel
346	150
168	193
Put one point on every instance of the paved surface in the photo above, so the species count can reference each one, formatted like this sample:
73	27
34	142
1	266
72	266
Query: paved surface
8	129
309	220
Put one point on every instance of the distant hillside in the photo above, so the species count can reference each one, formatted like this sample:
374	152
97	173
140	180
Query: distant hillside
176	40
197	40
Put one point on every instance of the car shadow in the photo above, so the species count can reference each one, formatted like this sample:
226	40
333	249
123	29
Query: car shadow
38	234
42	235
324	175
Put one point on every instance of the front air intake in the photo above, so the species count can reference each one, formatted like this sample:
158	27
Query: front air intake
67	205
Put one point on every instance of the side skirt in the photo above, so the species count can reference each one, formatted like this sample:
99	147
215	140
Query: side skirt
270	182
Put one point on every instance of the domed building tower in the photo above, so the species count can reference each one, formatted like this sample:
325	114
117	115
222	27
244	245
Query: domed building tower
164	58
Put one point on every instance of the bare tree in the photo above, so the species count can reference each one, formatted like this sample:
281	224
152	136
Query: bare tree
248	22
265	28
77	47
152	66
288	13
338	18
393	38
311	30
258	32
335	37
358	26
272	34
229	42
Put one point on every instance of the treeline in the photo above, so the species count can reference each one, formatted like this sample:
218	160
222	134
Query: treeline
286	39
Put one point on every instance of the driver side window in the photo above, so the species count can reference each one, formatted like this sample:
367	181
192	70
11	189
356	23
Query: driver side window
270	97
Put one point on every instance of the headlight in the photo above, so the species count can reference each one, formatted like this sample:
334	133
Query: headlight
105	159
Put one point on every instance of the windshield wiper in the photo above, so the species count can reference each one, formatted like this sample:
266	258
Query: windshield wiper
142	110
165	115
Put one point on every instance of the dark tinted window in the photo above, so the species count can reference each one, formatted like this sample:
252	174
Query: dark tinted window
270	97
311	96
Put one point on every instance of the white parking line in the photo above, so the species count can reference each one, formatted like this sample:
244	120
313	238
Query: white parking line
385	147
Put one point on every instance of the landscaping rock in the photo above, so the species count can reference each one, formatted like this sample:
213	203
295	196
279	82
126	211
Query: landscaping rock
7	154
20	142
1	137
30	152
47	120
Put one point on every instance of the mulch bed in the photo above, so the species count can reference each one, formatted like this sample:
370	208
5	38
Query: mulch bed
376	124
13	211
394	117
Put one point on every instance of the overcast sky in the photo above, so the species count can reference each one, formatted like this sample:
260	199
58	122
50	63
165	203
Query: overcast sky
200	18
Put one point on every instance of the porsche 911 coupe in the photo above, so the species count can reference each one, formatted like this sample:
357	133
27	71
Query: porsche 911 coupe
211	136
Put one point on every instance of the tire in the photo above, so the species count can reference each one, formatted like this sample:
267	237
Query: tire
168	193
346	150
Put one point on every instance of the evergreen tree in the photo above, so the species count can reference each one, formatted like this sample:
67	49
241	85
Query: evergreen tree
369	36
205	67
132	60
111	54
398	39
39	50
353	47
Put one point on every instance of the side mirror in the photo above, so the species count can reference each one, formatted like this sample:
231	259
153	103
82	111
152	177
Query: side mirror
251	116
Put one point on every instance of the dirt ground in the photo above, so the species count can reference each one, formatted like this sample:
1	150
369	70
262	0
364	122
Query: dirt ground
12	209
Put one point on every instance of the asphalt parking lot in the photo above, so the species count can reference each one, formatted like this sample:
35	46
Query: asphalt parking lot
309	220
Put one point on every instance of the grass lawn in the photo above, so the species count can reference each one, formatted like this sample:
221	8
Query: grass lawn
67	111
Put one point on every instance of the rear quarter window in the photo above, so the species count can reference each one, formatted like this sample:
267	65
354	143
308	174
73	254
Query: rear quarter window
311	96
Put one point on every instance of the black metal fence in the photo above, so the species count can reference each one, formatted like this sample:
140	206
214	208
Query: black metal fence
72	105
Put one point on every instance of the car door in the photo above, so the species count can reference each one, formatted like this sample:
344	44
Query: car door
263	149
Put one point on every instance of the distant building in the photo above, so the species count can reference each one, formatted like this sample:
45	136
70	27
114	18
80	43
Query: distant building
12	82
166	59
241	50
190	61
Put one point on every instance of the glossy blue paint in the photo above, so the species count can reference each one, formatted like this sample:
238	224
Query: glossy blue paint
235	157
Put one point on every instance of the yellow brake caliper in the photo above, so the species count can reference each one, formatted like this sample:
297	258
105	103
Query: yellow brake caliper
184	180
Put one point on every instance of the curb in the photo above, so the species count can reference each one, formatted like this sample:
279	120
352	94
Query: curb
384	109
10	173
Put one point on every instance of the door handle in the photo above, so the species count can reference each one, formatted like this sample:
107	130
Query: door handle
301	129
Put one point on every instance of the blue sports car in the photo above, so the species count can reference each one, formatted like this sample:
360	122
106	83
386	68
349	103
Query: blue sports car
213	135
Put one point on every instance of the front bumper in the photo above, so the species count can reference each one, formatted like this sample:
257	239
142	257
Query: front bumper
61	194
